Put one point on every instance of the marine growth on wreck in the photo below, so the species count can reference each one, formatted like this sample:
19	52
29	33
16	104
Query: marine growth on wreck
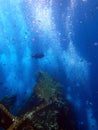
46	109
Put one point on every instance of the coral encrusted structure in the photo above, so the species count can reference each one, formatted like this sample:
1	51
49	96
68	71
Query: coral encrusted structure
46	108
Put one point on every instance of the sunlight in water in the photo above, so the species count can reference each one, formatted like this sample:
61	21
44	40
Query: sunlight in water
73	62
43	15
32	26
77	69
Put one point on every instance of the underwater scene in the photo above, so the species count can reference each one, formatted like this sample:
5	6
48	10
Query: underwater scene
48	64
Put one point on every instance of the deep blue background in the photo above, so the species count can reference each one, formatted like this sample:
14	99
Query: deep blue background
68	36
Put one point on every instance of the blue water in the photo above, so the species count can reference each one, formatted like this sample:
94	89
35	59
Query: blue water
66	31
